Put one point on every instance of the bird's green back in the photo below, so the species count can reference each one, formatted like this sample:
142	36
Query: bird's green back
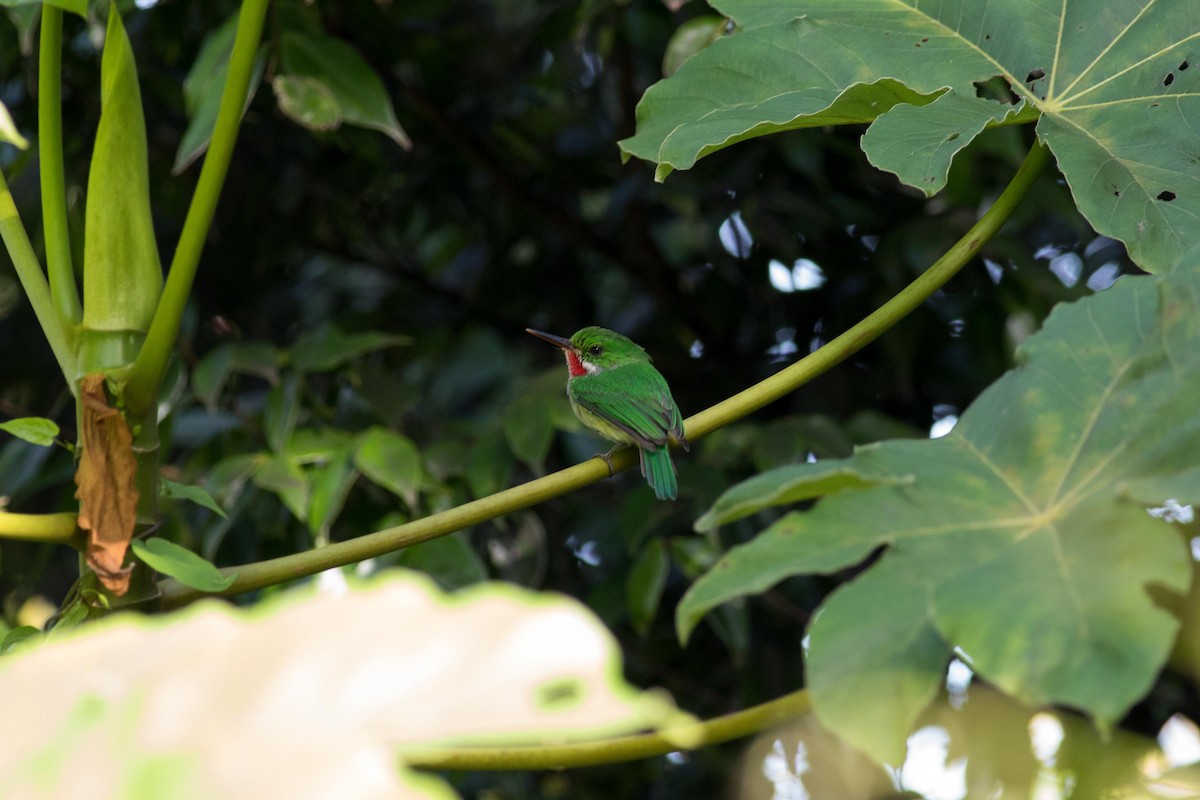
634	398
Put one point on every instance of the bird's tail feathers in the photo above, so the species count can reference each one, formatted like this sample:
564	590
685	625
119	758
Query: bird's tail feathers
659	472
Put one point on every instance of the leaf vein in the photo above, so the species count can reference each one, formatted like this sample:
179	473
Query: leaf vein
1104	52
995	469
1133	66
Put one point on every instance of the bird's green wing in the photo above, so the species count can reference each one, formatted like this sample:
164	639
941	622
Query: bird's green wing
636	399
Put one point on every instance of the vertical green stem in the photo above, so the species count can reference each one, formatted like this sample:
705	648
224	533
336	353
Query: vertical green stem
145	451
141	387
50	154
33	280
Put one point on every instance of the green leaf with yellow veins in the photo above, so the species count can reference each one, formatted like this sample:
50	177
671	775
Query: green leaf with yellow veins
1024	537
1100	78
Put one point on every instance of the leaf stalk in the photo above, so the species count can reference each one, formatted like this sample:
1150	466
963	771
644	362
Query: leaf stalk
141	387
59	528
50	155
614	751
298	565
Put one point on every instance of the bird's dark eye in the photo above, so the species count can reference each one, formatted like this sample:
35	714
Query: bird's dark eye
596	350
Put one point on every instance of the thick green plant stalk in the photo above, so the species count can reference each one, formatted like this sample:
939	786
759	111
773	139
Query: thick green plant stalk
614	751
33	281
60	527
122	277
279	570
50	157
123	283
143	379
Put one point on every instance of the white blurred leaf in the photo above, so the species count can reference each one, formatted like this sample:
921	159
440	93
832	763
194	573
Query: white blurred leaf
308	697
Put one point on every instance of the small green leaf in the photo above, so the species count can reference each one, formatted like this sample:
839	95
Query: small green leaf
488	464
450	560
787	485
690	38
327	347
644	587
392	461
75	614
25	19
227	478
209	70
339	67
307	101
35	430
255	358
181	564
529	427
209	376
312	445
283	478
8	130
194	494
281	412
14	638
202	90
331	484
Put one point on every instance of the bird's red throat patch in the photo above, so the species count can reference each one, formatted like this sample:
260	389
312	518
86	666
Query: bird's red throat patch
574	365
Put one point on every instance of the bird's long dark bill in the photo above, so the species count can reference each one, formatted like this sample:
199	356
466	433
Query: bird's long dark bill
557	341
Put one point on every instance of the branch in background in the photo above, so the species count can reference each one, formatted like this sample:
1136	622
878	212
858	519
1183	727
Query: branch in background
299	565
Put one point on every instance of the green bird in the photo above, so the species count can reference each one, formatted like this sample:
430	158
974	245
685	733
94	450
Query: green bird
616	392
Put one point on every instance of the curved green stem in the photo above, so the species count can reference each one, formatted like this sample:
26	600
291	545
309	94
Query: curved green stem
50	154
33	281
869	329
141	387
298	565
310	562
612	751
59	528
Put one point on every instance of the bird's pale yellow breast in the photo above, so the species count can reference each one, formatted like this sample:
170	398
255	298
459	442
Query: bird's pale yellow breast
600	425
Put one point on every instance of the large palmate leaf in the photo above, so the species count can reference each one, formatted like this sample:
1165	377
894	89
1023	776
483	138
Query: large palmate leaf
1115	85
1022	538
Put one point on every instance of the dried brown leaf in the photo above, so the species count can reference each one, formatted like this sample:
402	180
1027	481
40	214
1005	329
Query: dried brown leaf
107	493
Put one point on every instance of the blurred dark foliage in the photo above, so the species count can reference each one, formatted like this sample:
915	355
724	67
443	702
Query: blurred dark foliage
514	209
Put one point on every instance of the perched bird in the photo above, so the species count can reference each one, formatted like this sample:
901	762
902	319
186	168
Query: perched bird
616	392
